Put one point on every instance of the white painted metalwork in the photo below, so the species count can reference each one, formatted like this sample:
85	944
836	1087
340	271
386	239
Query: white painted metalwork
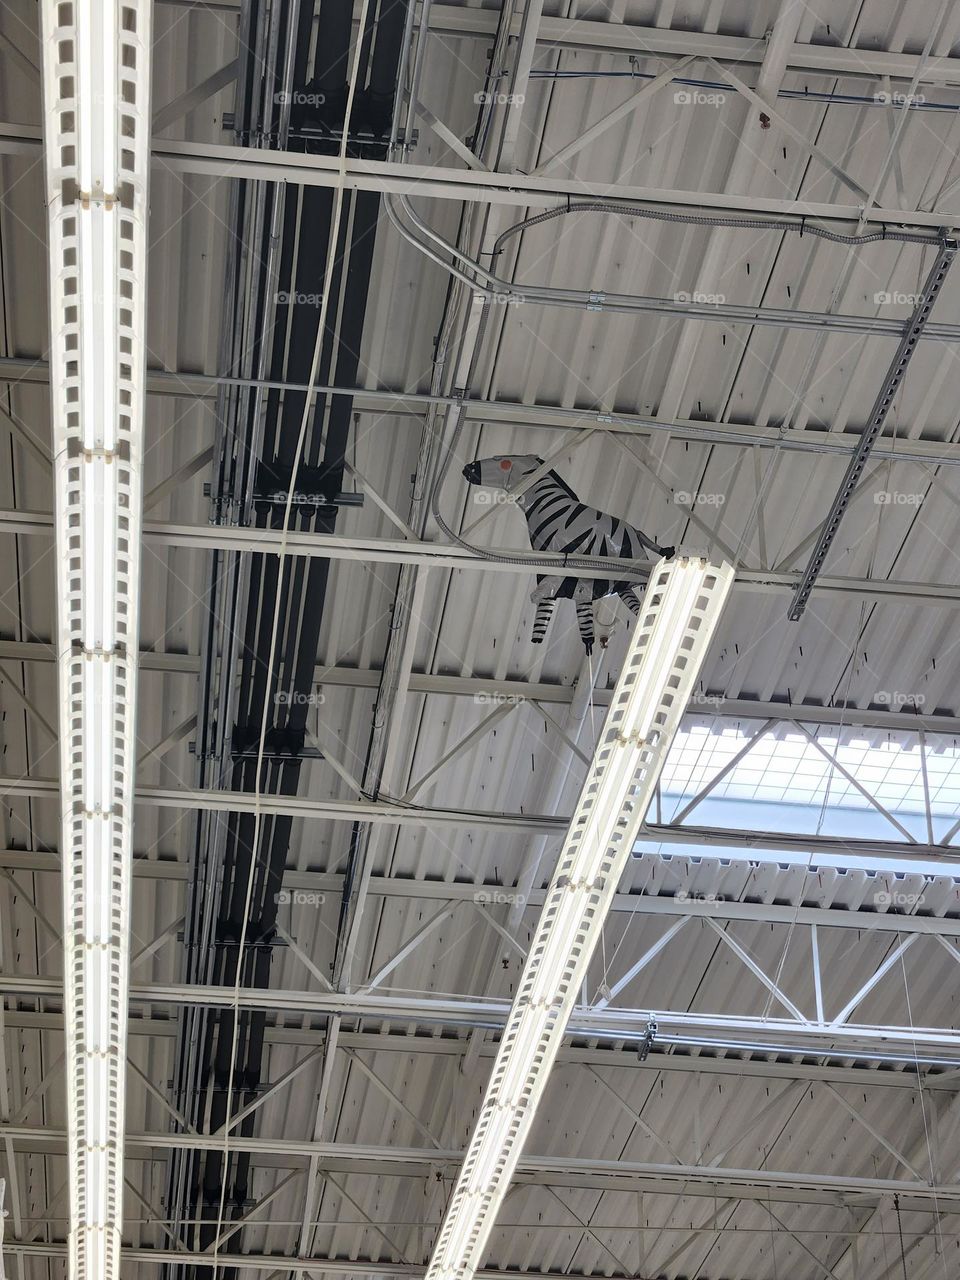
766	938
96	80
679	612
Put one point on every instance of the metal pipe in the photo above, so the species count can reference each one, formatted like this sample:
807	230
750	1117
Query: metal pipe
935	1045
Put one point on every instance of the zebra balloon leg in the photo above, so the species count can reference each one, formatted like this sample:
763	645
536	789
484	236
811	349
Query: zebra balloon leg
542	619
585	623
558	521
631	600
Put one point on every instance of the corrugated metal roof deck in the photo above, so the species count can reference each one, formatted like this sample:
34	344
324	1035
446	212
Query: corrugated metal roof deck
475	623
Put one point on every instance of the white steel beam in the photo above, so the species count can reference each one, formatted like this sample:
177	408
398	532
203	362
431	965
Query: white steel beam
766	100
594	131
191	98
492	687
795	1187
618	1054
517	190
524	50
438	182
96	94
852	850
624	38
275	1264
887	1042
441	555
639	965
199	386
865	918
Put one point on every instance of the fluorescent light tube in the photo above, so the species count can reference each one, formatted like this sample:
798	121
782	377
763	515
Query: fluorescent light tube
680	610
96	80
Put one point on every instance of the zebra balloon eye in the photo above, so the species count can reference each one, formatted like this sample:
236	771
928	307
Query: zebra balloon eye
505	464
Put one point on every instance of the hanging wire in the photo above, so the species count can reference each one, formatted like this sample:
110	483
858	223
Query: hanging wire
773	1239
903	1254
338	200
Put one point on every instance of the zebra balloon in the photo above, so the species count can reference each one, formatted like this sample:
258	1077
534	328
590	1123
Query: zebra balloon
558	521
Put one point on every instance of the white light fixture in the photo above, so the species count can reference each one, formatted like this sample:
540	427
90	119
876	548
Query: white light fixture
680	610
96	80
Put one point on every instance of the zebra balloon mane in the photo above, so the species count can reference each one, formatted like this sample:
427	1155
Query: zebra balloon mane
558	521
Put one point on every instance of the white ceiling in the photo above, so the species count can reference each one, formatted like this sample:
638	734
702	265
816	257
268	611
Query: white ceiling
804	1116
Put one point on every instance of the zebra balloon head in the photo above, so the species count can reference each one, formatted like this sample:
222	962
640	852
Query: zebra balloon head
505	471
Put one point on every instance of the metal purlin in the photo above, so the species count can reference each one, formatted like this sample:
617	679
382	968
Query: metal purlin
96	90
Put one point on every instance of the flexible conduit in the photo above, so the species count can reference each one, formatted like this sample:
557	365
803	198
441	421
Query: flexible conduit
488	282
581	297
619	569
